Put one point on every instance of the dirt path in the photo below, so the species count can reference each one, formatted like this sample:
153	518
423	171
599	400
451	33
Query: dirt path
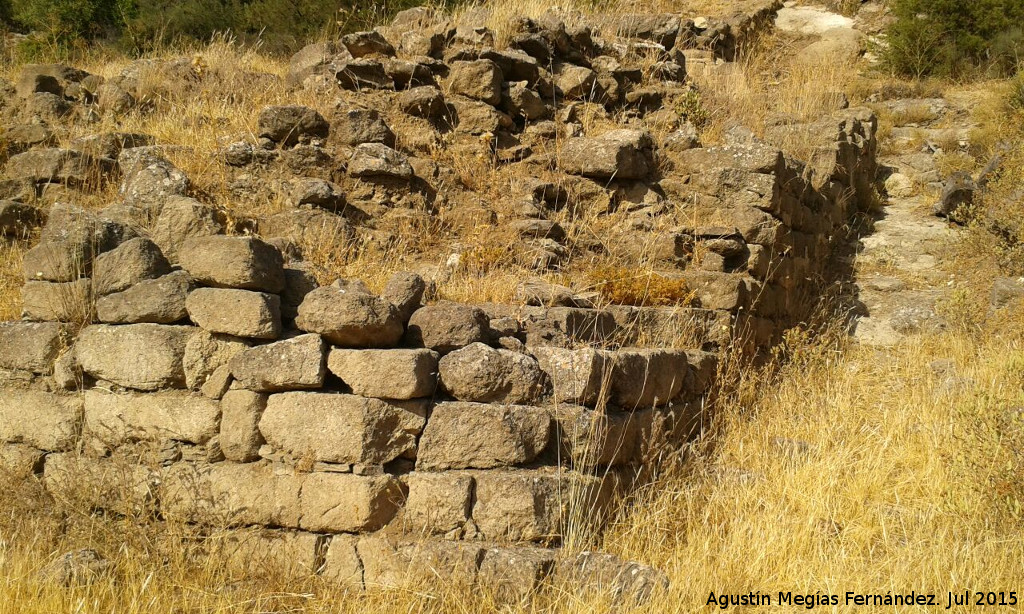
897	283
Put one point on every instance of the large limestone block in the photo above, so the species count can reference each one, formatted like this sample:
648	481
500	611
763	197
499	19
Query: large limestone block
40	419
139	356
589	438
447	326
234	262
515	506
259	494
206	352
31	346
577	376
619	154
648	378
57	302
231	494
288	554
20	459
438	502
181	219
483	374
350	317
292	364
156	301
391	564
341	428
133	261
241	313
342	565
516	573
58	261
240	437
386	374
174	415
460	435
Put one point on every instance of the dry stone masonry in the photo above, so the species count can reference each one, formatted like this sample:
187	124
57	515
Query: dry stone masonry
177	360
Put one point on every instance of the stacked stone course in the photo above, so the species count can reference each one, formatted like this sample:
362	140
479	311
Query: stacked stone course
172	363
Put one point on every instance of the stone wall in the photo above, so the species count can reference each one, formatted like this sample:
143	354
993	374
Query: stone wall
178	361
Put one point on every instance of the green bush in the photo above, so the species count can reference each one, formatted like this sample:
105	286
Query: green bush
955	38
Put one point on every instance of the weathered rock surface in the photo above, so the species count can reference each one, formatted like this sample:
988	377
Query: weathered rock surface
44	420
288	125
139	356
131	262
292	364
206	352
577	376
254	494
619	154
240	437
31	346
438	502
447	326
116	418
341	428
57	302
240	313
645	378
350	317
461	435
386	374
483	374
234	262
158	301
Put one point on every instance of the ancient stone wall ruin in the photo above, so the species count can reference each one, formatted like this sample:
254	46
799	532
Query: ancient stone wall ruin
172	363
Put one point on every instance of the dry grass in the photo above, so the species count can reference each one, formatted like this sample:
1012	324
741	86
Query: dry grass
12	277
849	469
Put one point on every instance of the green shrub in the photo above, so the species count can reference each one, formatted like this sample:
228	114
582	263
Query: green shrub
142	25
955	38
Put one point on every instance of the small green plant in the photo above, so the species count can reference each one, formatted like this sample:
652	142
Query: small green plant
692	109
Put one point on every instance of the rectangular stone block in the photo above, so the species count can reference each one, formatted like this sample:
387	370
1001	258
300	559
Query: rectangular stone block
272	553
536	505
20	459
648	377
293	364
241	313
459	435
115	419
515	573
157	301
240	437
260	494
438	503
588	438
41	419
31	346
341	428
234	262
57	302
58	261
342	565
577	376
391	564
139	356
386	374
